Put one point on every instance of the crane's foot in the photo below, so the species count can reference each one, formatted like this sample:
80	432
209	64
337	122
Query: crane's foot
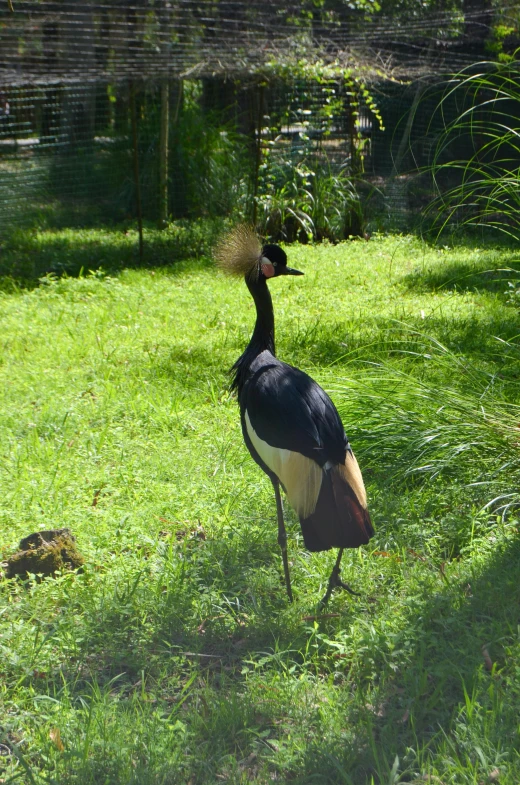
335	582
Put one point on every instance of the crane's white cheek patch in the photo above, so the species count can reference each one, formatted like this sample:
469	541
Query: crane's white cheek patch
267	269
300	476
352	474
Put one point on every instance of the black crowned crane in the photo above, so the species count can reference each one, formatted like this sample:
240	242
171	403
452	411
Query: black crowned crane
291	427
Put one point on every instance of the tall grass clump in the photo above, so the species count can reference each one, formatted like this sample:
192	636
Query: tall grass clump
476	158
436	414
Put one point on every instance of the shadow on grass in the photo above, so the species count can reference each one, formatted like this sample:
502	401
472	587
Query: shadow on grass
444	667
420	685
192	365
490	273
27	256
424	686
473	335
443	664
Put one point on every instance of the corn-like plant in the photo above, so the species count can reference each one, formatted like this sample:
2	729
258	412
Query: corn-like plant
285	201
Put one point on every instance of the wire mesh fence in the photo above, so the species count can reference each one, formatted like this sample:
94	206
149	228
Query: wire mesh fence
182	109
66	150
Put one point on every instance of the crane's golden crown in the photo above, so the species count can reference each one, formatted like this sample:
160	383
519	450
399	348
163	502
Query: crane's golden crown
239	252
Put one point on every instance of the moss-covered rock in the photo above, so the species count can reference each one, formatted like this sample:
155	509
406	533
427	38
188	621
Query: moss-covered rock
45	553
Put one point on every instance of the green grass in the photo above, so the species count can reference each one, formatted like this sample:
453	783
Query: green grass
175	657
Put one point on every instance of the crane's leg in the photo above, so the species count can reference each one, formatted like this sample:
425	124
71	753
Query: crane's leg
335	581
282	538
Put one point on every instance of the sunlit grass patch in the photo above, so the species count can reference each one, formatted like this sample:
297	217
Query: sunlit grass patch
174	656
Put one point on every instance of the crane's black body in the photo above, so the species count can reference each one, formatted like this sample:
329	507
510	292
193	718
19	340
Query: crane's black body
288	410
294	433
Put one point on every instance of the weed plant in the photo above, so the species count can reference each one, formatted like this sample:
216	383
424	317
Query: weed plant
174	656
211	162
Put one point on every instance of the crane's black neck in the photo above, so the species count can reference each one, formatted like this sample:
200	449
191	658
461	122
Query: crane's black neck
263	335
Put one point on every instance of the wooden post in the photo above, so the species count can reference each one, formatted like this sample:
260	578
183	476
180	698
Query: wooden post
355	163
133	114
179	102
354	217
258	151
163	154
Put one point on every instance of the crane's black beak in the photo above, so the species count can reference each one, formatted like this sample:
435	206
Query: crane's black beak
289	271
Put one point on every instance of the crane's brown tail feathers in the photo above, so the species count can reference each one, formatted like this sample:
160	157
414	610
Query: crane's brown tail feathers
331	503
340	518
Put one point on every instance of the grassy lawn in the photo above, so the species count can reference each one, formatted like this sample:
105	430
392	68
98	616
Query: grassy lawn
174	656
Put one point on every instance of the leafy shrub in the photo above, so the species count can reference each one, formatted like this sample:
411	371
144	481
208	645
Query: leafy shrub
308	200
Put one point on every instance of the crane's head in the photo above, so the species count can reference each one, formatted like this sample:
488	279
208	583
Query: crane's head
241	253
